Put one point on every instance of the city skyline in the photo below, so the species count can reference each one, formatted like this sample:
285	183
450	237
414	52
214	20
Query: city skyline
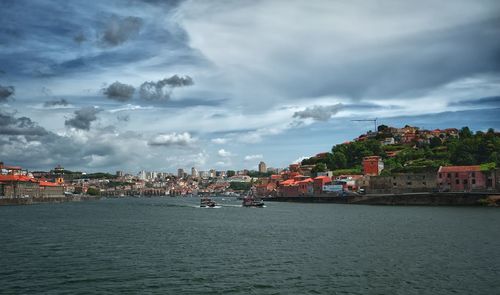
158	86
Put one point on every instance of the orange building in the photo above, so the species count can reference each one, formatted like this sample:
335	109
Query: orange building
372	165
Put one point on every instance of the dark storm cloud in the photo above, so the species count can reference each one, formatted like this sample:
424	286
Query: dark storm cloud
6	92
319	113
25	143
88	37
83	117
119	30
480	102
119	91
54	103
80	38
176	81
10	125
412	65
162	89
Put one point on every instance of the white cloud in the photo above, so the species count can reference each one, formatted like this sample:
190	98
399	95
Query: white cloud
253	157
223	153
173	139
219	140
300	159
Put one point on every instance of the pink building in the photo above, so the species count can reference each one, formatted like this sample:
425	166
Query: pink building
464	178
306	186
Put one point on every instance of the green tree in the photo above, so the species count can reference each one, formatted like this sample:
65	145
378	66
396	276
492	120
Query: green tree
93	191
435	142
339	161
465	132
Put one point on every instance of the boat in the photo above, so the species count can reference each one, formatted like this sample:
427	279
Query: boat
207	203
249	201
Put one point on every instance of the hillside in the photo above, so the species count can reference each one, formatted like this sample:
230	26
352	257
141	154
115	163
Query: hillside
410	149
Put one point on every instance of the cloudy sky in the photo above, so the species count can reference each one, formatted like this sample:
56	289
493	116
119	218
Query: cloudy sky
158	85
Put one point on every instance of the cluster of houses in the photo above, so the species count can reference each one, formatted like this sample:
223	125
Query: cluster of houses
297	182
408	135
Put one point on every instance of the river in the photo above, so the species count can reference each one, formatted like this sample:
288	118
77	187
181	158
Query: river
171	246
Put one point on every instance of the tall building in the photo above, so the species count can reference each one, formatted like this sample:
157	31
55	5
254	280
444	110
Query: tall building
194	172
212	173
180	173
142	175
262	167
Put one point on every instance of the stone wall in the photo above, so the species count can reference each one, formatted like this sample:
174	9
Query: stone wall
402	183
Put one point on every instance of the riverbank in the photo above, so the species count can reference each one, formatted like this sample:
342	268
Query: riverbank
420	199
55	199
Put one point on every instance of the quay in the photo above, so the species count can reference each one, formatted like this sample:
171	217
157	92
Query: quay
52	199
415	199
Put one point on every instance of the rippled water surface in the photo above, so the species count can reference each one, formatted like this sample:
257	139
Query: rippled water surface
170	246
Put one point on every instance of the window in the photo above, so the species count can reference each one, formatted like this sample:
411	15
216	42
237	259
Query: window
440	175
456	174
394	184
449	175
473	181
473	174
457	181
465	181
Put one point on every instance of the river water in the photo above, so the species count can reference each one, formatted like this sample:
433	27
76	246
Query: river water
170	246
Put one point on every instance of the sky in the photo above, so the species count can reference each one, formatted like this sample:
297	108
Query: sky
159	85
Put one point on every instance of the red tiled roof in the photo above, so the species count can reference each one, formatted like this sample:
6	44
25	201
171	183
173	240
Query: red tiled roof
10	177
308	180
288	182
323	177
451	169
48	183
275	176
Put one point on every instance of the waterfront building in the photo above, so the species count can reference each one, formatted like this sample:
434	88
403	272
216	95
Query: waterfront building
262	167
399	183
319	182
465	178
20	186
180	173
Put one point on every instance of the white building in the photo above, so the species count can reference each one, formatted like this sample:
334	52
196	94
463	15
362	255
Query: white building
194	172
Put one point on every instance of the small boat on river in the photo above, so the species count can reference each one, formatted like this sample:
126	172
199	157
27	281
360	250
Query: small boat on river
250	201
207	203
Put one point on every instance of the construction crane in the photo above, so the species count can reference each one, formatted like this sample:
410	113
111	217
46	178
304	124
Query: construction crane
369	120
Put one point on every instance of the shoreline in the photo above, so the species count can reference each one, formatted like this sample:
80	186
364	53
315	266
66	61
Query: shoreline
405	199
41	200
